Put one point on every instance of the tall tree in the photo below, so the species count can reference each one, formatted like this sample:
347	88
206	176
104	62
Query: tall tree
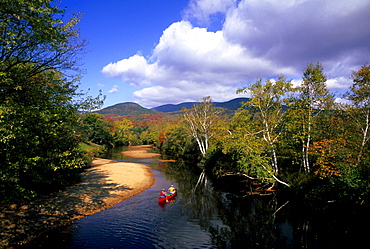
359	106
244	148
38	54
313	98
201	121
266	105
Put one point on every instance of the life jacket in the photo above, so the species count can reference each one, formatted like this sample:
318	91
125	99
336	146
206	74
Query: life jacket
171	189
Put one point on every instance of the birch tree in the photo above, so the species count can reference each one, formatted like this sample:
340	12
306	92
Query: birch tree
200	122
359	106
266	105
313	98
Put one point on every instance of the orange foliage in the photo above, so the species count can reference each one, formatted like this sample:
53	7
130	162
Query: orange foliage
327	151
143	120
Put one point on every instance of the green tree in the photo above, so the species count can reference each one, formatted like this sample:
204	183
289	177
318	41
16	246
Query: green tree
38	143
358	107
121	129
173	140
38	114
266	106
97	129
243	151
34	39
312	100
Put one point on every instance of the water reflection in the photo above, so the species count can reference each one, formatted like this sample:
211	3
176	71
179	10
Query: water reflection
270	221
231	222
203	216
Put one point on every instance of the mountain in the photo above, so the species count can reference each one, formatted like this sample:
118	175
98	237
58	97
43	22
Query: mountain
166	113
173	108
127	108
139	115
231	105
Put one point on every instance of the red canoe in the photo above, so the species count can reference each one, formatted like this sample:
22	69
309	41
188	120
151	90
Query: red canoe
168	197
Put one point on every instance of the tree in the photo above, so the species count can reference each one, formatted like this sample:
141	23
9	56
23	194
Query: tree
34	38
39	149
200	122
359	106
173	140
242	150
313	99
120	131
97	129
266	105
38	144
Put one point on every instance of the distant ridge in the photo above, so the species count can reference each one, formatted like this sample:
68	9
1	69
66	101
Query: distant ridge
135	111
231	105
127	108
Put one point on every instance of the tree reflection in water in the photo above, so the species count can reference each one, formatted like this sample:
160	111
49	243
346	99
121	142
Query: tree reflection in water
255	221
232	221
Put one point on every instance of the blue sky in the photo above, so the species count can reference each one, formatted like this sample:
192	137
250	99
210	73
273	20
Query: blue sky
156	52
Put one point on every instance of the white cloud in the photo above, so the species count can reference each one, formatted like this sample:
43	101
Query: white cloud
158	95
192	59
195	54
133	70
339	83
335	84
342	101
298	32
259	39
114	89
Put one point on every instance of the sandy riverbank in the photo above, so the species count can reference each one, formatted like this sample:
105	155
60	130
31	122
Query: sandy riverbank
140	151
103	185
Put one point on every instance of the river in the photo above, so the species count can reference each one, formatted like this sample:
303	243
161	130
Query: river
201	217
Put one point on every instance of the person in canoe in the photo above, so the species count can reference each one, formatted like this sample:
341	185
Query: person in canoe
162	193
171	189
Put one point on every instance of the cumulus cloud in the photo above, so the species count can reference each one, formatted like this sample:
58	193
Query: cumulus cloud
156	95
195	54
193	61
134	70
297	32
114	89
259	39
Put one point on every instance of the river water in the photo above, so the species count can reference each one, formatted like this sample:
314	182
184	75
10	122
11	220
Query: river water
201	217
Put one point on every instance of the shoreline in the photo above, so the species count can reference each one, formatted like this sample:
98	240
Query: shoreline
103	185
140	151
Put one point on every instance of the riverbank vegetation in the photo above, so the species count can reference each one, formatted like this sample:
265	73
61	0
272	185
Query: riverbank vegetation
39	102
298	138
293	138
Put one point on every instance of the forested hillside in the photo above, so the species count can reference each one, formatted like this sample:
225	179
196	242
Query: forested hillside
142	116
127	108
230	106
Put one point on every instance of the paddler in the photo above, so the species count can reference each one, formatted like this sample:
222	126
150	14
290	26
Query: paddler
162	193
171	189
